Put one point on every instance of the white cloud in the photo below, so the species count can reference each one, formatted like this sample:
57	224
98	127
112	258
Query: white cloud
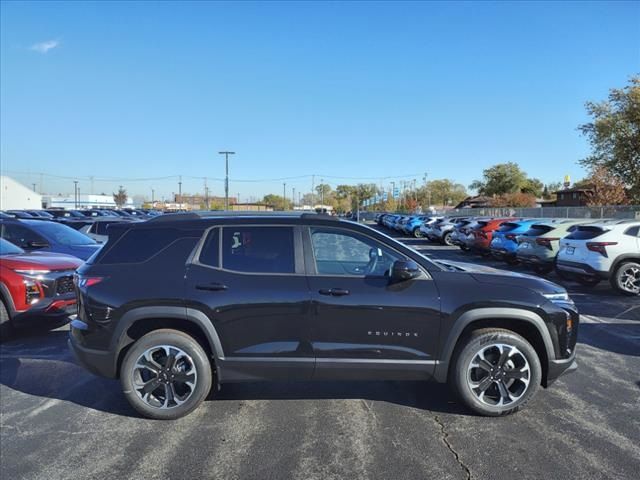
44	47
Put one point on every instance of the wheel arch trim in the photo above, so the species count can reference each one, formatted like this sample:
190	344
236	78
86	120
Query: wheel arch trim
121	339
496	313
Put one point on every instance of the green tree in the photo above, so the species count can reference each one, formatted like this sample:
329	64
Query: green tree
361	192
277	202
506	178
532	186
441	192
120	198
604	188
614	135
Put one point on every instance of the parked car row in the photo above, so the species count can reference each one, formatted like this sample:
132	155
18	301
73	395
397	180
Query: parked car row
585	250
39	252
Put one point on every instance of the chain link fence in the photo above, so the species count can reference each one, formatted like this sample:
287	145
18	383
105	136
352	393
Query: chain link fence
614	211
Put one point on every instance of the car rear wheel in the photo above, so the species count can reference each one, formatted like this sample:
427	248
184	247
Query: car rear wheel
495	372
166	374
447	239
626	280
417	233
511	260
6	328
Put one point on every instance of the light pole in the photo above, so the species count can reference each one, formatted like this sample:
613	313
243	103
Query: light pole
75	194
152	196
284	196
34	186
226	178
322	193
293	197
180	191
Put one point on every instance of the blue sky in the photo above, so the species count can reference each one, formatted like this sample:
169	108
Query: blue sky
138	91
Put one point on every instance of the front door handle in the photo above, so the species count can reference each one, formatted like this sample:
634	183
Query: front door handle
212	287
335	292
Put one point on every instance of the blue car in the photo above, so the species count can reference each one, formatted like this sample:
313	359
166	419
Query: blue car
412	227
47	236
504	242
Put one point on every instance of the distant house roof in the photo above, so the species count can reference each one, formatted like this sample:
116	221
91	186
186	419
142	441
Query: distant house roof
475	202
574	190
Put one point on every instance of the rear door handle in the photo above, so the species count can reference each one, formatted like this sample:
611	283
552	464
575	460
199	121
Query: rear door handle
212	287
335	292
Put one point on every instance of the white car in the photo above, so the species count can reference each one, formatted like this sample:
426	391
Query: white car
426	226
605	250
98	229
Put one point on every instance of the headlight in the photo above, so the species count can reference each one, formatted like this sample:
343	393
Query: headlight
560	297
32	272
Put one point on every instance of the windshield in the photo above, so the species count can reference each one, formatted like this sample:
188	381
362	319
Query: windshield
8	248
63	234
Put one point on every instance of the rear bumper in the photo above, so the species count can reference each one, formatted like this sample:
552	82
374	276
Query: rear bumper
581	268
98	362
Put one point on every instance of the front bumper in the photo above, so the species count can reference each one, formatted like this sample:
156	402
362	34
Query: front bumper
557	368
48	311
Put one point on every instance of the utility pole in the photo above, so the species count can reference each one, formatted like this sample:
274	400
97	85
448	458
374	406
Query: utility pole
79	203
226	178
293	197
152	196
180	191
75	193
313	191
284	196
322	193
34	186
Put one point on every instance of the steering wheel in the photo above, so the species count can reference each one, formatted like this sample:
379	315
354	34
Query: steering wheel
373	262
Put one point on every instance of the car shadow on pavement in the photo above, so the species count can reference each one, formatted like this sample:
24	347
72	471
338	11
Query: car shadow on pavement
420	395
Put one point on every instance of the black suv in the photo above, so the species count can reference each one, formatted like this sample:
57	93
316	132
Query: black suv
181	301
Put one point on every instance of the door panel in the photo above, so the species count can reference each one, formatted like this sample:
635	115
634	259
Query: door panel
261	318
374	321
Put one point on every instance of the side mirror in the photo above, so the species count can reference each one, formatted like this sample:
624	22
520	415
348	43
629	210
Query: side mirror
402	270
34	245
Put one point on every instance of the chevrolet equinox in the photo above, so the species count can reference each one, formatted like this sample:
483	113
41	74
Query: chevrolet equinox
182	302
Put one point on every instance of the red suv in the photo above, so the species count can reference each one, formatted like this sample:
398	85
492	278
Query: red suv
483	233
35	288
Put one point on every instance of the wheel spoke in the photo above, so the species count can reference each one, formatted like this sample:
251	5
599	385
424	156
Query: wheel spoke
504	392
146	361
149	387
182	377
515	374
505	353
168	396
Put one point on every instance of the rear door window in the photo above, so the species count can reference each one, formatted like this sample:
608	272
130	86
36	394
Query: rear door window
507	227
537	230
258	249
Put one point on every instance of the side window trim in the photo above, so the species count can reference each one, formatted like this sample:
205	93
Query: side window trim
309	256
297	245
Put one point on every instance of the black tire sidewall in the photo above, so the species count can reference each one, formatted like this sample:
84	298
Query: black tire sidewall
190	346
6	328
464	356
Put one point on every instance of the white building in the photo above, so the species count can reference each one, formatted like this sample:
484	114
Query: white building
15	196
68	202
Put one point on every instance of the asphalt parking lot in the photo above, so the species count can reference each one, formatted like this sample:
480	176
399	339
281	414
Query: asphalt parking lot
59	422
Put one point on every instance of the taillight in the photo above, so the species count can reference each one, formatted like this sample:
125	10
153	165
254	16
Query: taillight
86	282
545	241
600	247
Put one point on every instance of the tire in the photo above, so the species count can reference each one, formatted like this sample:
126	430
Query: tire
542	269
464	248
587	280
564	275
467	381
623	278
511	260
6	328
190	362
446	240
417	233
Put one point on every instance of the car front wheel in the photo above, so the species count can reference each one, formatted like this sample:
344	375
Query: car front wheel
166	374
495	372
626	280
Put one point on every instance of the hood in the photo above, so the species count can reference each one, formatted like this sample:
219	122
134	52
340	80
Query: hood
41	260
485	274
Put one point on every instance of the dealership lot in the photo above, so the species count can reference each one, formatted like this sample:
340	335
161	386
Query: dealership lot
58	421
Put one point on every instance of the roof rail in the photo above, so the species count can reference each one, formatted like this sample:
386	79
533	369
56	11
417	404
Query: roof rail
201	214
